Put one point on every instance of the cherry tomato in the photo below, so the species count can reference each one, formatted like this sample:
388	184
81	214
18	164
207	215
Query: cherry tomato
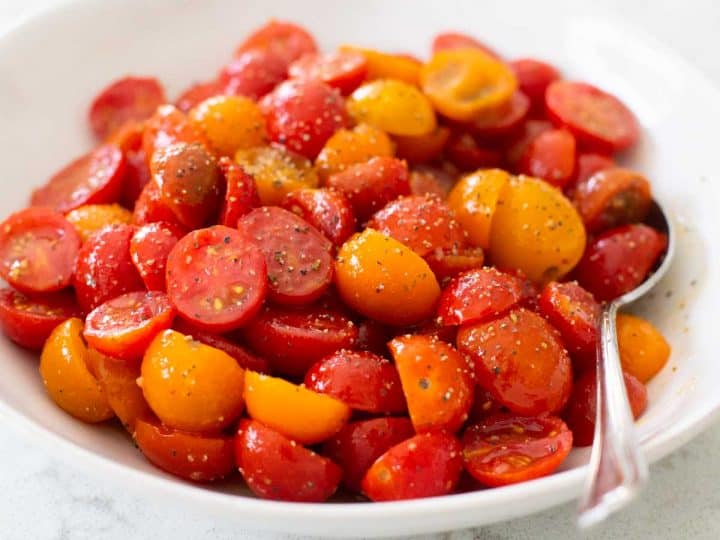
428	180
91	218
519	358
150	207
169	126
29	321
150	246
130	98
124	326
373	337
371	185
127	137
216	278
358	444
344	70
241	195
612	197
619	260
464	151
550	156
274	467
599	120
534	76
504	449
350	146
38	248
298	257
580	411
436	380
515	148
505	123
303	115
104	268
643	349
253	73
426	465
381	65
455	40
294	340
198	93
200	458
448	264
137	176
230	123
588	164
484	406
287	40
362	380
422	148
95	178
327	210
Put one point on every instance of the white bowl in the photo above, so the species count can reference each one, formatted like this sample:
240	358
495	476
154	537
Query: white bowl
52	65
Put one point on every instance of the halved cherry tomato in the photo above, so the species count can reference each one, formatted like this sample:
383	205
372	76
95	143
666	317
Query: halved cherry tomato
130	98
362	380
124	326
294	340
358	444
599	120
580	411
95	178
519	358
253	74
383	279
382	65
298	257
371	185
216	278
448	264
534	76
344	70
104	268
550	156
150	246
481	294
137	176
127	137
436	380
455	40
29	321
643	349
303	115
619	260
466	153
275	467
350	146
200	458
38	248
191	386
422	148
230	123
285	39
516	147
90	218
428	180
241	195
198	93
150	207
504	449
168	126
484	406
426	465
612	197
327	210
505	123
588	164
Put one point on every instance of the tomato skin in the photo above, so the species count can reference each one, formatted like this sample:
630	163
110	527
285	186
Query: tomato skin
463	150
344	70
169	126
373	337
449	264
150	246
428	180
303	115
619	260
516	146
274	467
130	98
550	156
520	360
504	123
104	267
137	175
534	76
91	218
327	210
150	207
425	465
200	458
643	349
589	163
455	40
287	40
198	93
350	146
422	148
95	178
505	449
30	321
253	74
362	380
358	444
241	195
294	340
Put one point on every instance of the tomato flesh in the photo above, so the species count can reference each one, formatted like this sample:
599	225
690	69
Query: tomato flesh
327	210
150	246
253	74
241	195
534	76
344	70
550	156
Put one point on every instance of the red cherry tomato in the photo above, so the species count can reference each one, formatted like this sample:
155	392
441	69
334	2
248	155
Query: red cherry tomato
298	257
200	458
455	40
428	180
38	248
504	449
253	74
168	126
507	122
589	163
362	380
426	465
516	146
198	93
275	467
534	76
104	267
285	39
358	444
371	185
550	156
216	278
619	260
137	176
481	294
294	340
150	207
241	195
124	326
423	148
581	408
30	321
484	406
464	151
327	210
131	98
519	358
344	70
95	178
599	120
149	249
448	264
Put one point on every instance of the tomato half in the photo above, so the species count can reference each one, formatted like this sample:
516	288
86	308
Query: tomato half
198	93
448	264
468	154
168	126
534	76
327	210
150	246
422	148
287	40
150	207
505	123
241	195
344	70
550	156
253	73
429	180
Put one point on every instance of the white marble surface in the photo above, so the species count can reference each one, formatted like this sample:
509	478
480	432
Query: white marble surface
44	499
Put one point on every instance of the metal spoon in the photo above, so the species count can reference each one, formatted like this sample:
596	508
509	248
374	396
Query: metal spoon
618	469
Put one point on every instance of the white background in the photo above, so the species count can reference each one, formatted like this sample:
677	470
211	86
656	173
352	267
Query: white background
43	499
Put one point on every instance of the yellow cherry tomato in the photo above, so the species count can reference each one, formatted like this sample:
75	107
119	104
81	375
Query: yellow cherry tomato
394	106
92	217
385	280
67	377
388	66
350	146
277	172
230	123
643	349
466	84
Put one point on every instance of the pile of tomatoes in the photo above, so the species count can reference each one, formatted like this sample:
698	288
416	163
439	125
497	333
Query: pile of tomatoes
350	268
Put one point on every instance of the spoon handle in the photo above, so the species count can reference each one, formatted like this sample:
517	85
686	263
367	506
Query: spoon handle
617	468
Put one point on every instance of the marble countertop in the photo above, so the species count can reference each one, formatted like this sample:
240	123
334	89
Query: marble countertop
44	499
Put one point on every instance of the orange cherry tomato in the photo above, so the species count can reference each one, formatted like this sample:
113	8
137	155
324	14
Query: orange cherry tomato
287	40
382	65
350	146
643	349
422	148
92	217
